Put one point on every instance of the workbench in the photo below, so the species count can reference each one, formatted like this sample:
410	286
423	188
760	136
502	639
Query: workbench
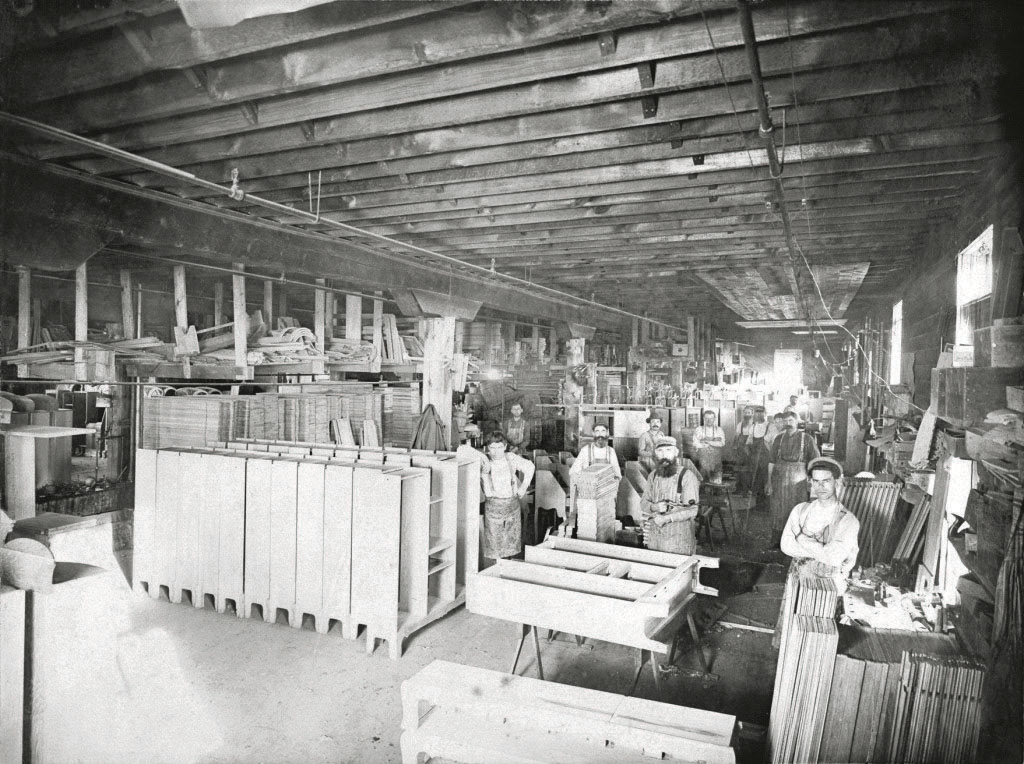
624	595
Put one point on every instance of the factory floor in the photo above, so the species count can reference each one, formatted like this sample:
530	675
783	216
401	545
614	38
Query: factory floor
204	687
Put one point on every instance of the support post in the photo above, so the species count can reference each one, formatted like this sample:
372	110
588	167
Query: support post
81	318
634	336
268	303
127	307
241	318
438	347
330	310
535	339
282	302
575	354
645	331
320	315
353	317
24	307
378	327
552	343
180	299
218	303
691	337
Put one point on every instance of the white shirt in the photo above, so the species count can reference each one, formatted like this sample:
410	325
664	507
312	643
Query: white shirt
824	538
500	479
708	437
584	459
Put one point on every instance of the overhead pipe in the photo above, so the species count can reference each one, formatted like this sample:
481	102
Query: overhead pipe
767	132
237	193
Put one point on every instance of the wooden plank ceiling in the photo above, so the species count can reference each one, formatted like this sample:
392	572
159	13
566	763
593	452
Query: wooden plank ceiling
607	149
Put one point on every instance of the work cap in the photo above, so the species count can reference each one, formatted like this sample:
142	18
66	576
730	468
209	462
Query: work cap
825	463
665	440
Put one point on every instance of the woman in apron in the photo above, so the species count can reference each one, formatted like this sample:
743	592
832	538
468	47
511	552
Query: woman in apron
503	489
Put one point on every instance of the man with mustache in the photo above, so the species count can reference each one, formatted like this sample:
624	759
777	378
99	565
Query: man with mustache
821	534
787	472
669	503
598	451
647	441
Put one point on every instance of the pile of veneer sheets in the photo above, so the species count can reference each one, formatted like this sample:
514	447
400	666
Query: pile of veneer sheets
873	503
597	488
804	673
901	696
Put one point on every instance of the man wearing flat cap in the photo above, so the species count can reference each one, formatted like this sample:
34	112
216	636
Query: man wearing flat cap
821	534
669	503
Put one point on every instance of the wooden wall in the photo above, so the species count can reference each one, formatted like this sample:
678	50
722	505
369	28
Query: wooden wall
929	294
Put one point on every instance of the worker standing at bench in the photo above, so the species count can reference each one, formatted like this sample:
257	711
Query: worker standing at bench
598	451
505	479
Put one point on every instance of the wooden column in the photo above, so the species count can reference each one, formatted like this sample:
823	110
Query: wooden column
691	337
81	318
241	318
330	310
218	303
127	305
575	354
353	317
320	315
180	299
552	344
634	336
535	338
645	331
460	336
282	302
24	307
378	328
438	347
268	303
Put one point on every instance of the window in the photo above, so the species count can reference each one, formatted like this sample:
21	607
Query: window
896	344
974	288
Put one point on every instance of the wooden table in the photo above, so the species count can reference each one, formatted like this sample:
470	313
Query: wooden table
628	596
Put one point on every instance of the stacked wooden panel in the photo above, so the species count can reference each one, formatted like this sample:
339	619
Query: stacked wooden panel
859	721
803	677
596	490
12	676
276	529
873	503
461	713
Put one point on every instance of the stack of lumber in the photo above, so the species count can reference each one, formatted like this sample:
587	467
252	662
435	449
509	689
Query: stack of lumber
596	490
392	346
184	421
402	406
911	542
802	679
340	350
462	713
293	344
378	539
873	503
866	690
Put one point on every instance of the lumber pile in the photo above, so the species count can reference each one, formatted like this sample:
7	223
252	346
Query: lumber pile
862	720
402	407
911	542
378	539
804	672
873	503
462	713
596	490
392	345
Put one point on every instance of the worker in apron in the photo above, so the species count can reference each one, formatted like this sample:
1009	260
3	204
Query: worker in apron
505	479
647	441
756	439
709	442
598	451
821	534
517	431
668	507
787	473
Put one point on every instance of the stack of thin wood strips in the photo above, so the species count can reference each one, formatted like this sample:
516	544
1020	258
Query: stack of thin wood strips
911	543
804	674
873	503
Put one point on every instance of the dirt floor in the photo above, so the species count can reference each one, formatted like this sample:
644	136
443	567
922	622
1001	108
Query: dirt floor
197	686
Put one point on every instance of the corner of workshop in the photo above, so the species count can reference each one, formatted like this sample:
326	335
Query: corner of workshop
511	382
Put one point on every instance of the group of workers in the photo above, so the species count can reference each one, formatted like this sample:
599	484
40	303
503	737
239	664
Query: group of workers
778	460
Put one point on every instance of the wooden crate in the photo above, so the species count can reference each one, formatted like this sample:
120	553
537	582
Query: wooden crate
963	396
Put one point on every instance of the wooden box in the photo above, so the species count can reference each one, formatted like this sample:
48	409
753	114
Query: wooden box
963	396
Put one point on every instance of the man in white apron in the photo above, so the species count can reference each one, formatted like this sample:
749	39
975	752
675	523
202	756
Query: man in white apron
598	451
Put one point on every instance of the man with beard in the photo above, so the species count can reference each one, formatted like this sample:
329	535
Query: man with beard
598	451
821	534
787	472
647	441
669	504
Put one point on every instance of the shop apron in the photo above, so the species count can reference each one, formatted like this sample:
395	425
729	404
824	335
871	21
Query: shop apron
603	460
757	462
789	488
710	460
677	537
503	524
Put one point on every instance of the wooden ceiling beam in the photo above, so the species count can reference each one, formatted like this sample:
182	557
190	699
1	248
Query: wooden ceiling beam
524	138
98	62
344	71
716	199
40	198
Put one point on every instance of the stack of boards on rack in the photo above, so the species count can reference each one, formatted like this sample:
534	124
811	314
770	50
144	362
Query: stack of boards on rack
381	538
